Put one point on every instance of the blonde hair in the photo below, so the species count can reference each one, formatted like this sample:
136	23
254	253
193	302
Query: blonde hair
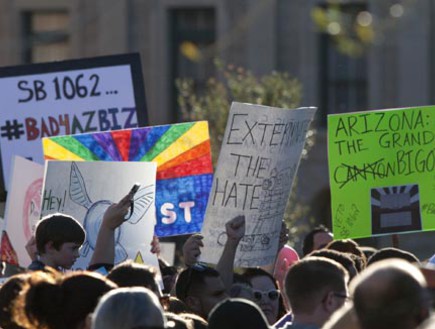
125	308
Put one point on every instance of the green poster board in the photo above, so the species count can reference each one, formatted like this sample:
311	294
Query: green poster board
382	171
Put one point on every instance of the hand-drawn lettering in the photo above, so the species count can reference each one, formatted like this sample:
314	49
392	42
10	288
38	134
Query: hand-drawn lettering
360	124
52	202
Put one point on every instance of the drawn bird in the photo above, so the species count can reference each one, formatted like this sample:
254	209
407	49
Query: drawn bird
143	199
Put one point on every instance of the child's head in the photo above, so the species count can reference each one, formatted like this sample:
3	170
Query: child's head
57	235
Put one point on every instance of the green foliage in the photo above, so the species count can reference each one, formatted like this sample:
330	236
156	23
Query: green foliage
276	89
237	84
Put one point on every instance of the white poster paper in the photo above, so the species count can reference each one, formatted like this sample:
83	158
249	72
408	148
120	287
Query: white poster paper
23	206
85	190
258	161
63	98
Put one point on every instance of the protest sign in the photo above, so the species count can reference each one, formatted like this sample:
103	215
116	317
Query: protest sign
382	171
23	209
184	168
69	97
83	190
259	158
167	252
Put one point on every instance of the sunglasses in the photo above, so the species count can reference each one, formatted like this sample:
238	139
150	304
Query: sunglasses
272	294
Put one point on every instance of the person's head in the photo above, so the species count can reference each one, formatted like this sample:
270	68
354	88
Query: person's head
60	302
389	253
131	274
390	294
237	313
200	288
316	239
266	293
349	246
316	287
241	287
344	259
126	308
58	239
8	292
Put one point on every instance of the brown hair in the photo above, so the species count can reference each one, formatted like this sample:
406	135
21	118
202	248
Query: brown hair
307	280
59	302
59	229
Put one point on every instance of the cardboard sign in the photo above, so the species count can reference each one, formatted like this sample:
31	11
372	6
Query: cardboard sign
259	159
23	209
184	167
70	97
382	171
83	191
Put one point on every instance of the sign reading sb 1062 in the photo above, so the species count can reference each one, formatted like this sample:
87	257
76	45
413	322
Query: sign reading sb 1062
70	97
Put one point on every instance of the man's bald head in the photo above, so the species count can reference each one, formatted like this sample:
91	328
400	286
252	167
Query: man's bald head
390	294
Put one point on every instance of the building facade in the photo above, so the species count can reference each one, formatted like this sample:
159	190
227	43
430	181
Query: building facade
389	65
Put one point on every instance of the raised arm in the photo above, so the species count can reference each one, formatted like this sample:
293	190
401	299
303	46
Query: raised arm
104	252
191	249
235	229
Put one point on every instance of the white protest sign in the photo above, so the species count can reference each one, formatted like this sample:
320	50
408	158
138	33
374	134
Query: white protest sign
23	207
167	252
257	163
63	98
85	190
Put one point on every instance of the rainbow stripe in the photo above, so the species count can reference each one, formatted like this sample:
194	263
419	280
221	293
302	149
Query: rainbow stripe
180	150
182	153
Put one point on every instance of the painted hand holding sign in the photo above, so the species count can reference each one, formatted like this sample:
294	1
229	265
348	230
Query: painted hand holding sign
89	193
258	161
184	168
381	168
63	98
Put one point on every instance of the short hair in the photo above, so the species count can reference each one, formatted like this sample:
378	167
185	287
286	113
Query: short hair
57	301
307	281
389	293
59	229
128	308
237	313
309	238
340	257
193	278
388	253
351	247
131	274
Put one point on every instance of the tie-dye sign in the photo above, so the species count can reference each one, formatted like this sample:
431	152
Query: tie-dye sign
184	168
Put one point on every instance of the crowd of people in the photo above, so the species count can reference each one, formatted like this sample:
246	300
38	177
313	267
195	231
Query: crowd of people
334	284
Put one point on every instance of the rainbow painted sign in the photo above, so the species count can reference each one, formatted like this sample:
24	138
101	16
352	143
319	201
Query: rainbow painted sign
184	168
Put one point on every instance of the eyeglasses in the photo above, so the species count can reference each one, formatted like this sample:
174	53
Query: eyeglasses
272	294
